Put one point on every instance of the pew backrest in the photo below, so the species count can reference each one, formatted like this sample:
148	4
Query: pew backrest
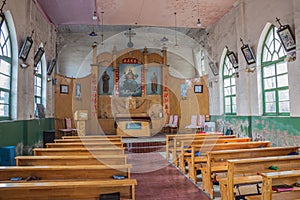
58	173
77	151
254	166
86	145
71	160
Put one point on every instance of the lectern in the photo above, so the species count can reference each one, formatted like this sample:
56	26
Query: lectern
80	116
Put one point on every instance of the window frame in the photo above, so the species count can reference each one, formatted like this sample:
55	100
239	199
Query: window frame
9	61
36	76
230	77
265	64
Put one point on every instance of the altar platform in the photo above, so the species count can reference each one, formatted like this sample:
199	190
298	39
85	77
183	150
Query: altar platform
156	143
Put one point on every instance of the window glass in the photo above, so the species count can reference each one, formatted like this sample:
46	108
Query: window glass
5	72
275	76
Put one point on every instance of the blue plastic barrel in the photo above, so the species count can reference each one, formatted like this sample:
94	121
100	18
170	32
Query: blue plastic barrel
7	156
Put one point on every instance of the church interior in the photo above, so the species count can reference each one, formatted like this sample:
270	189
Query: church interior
149	99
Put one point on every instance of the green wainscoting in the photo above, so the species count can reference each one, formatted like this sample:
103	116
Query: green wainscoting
24	134
281	131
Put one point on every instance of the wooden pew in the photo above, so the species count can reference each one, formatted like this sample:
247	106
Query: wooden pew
67	190
71	160
185	147
217	161
278	178
188	140
59	173
85	145
204	149
170	137
95	140
244	171
92	137
77	151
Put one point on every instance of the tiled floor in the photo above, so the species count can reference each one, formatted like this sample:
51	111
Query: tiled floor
159	180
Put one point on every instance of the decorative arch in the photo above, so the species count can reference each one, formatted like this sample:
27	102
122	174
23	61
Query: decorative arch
261	41
221	84
9	73
272	74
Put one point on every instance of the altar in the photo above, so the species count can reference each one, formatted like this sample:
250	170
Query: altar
133	125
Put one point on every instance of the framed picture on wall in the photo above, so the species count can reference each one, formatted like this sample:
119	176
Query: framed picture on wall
213	68
287	38
51	66
64	89
198	88
233	59
248	54
78	90
25	49
38	56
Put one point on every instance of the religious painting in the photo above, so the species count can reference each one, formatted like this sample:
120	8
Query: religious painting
287	38
153	81
183	90
248	54
130	80
106	81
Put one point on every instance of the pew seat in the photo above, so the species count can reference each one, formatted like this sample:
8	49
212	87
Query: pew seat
55	173
66	190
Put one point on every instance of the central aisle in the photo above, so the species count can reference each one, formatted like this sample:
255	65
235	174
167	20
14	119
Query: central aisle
159	180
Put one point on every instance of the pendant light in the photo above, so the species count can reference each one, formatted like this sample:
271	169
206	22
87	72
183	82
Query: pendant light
175	28
198	21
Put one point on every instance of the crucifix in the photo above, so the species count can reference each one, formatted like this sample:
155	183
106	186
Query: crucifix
129	34
278	21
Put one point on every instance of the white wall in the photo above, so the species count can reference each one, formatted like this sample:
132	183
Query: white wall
27	18
246	20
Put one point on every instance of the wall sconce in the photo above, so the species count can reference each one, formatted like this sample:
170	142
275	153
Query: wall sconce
286	36
232	58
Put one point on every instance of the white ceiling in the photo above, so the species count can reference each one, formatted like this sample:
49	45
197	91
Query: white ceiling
75	16
135	12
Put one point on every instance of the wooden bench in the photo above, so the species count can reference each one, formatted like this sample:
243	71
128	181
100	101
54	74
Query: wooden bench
59	173
67	190
204	149
170	138
244	171
89	140
71	160
92	137
278	178
217	161
189	140
77	151
85	145
186	147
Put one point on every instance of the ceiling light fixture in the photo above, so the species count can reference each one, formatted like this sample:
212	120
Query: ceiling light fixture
175	28
198	22
95	16
164	39
102	34
93	33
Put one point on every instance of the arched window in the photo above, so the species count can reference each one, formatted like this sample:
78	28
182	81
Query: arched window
38	86
5	71
229	85
276	100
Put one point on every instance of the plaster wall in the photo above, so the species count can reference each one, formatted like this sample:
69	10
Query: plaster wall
27	18
247	20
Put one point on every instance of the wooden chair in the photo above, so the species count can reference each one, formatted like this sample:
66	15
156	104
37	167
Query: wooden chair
68	130
174	126
166	126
